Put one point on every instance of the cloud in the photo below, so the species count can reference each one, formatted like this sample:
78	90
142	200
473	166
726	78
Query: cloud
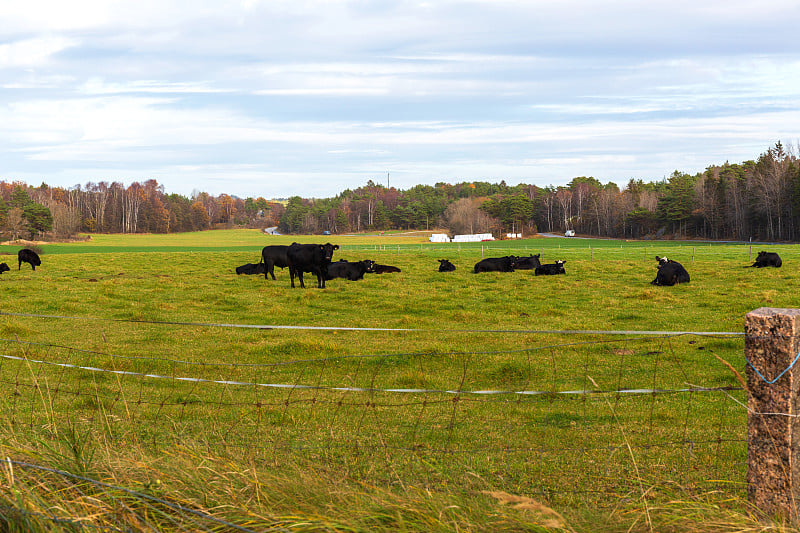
319	96
32	52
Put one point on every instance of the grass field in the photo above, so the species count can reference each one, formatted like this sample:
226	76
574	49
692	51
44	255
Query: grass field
114	373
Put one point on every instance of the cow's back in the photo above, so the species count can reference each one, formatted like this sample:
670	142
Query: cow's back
494	264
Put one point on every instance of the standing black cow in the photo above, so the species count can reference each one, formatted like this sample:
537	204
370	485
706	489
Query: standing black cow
350	271
527	263
4	268
669	273
313	258
446	266
274	256
550	269
767	259
26	255
495	264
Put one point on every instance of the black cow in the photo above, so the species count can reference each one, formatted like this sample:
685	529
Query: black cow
669	273
313	258
527	263
251	268
350	271
550	269
446	266
26	255
383	269
4	268
495	264
274	256
767	259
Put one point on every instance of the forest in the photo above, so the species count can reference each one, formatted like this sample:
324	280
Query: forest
757	199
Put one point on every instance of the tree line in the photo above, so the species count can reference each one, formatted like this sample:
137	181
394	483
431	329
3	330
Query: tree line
757	199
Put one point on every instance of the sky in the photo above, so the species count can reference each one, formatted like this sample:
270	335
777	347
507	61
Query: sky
311	97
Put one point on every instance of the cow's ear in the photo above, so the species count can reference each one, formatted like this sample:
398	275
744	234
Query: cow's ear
335	246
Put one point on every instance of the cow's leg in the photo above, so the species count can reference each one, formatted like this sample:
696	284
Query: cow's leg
300	277
291	275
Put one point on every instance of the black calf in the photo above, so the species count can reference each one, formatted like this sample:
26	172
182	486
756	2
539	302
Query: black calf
26	255
446	266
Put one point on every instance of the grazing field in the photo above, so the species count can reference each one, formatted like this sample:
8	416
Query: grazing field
140	368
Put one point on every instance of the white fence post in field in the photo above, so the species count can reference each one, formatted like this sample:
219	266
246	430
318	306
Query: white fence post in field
772	348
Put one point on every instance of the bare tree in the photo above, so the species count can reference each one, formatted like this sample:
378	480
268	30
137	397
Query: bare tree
15	223
66	220
465	216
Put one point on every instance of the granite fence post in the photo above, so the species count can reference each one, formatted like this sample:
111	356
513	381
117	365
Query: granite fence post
772	347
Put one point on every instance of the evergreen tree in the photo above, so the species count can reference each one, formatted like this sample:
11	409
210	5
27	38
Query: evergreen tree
676	206
38	217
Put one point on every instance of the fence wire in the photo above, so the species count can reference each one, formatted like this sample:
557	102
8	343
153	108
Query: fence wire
566	418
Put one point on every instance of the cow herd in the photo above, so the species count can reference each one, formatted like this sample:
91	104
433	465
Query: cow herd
317	259
510	263
26	255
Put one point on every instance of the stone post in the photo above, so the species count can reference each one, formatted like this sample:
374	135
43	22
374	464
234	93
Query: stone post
772	344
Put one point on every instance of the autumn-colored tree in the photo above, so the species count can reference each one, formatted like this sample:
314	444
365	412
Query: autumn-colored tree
15	223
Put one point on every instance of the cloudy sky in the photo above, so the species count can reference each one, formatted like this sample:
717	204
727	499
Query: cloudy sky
310	97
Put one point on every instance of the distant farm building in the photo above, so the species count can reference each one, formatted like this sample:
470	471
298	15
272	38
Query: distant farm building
475	237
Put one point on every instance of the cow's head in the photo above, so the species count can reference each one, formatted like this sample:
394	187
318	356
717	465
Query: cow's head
4	268
327	250
761	254
662	261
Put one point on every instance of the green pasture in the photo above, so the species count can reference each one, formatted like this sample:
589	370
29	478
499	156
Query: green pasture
430	393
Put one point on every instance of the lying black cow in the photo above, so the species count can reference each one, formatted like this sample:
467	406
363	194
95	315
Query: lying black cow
313	258
767	259
350	271
383	269
669	273
550	269
251	268
274	256
4	268
26	255
527	263
446	266
495	264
